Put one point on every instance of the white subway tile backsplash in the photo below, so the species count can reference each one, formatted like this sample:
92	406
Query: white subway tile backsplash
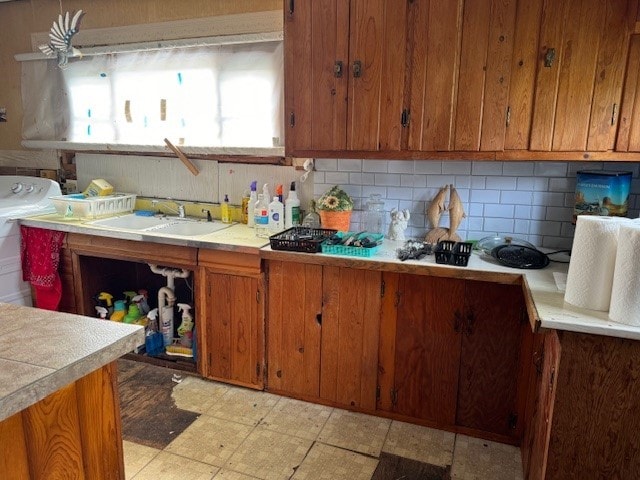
549	199
522	211
318	177
400	193
545	228
361	178
550	169
516	197
325	164
486	168
374	166
485	196
369	189
538	212
476	210
501	183
498	210
561	214
419	181
349	165
438	181
518	169
498	225
521	227
407	180
475	223
428	167
478	183
574	167
562	184
622	167
456	168
337	178
462	181
567	229
400	166
387	179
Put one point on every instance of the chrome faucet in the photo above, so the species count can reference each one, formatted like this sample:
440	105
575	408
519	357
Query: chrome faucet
179	210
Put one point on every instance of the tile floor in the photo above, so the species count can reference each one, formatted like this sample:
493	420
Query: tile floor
246	435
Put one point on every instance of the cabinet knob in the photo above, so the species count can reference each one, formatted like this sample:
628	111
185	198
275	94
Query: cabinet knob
549	57
337	69
357	69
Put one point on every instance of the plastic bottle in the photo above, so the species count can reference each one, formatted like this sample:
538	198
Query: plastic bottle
245	207
105	300
102	312
153	342
225	211
185	330
166	328
276	216
311	219
253	198
261	213
279	192
133	314
141	300
119	311
292	208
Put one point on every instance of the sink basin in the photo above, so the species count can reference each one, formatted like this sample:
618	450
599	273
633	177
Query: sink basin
185	227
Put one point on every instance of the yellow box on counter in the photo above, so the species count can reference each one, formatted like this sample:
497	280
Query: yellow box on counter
98	188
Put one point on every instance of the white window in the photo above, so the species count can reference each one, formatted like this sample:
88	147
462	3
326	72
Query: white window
206	96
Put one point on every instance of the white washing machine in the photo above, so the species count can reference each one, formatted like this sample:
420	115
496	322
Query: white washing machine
19	197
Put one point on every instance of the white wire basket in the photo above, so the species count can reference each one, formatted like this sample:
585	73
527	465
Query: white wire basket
78	206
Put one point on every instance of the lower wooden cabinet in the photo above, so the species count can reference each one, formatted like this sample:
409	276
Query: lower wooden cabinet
322	333
450	353
231	318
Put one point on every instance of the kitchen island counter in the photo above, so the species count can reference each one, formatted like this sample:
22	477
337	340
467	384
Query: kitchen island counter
58	396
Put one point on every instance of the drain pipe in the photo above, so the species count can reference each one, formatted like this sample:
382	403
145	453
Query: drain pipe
165	311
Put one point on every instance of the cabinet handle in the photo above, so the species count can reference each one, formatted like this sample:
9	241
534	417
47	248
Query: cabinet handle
394	397
291	6
404	119
508	117
471	319
357	69
457	320
549	57
614	114
337	69
319	318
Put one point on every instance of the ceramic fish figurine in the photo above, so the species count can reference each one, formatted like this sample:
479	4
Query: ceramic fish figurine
456	211
60	37
436	207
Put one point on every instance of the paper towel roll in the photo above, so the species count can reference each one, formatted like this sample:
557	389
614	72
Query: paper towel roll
593	259
625	295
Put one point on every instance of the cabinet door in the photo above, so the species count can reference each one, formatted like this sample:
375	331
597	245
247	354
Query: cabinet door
580	72
234	330
629	132
489	365
486	49
427	347
294	316
350	328
546	362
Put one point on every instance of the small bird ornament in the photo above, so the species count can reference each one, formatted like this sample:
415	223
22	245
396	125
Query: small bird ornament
60	37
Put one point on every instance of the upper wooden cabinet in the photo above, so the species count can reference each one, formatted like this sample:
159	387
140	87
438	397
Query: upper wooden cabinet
392	79
629	132
581	61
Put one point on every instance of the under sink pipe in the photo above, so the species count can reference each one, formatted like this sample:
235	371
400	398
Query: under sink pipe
167	298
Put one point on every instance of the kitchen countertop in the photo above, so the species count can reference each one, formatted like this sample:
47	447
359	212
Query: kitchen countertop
545	300
42	351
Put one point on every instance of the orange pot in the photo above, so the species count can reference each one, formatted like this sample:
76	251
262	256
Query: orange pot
335	220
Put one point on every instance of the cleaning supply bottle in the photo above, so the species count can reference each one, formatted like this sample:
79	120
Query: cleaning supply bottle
153	342
292	208
128	297
133	314
105	300
185	330
253	198
141	300
261	213
119	311
245	207
102	312
225	210
276	216
279	192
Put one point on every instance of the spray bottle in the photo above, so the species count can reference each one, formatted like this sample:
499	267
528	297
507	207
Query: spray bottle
119	311
153	341
261	213
142	301
185	330
276	216
253	198
105	300
102	312
292	208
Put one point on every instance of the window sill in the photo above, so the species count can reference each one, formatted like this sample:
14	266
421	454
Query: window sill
201	152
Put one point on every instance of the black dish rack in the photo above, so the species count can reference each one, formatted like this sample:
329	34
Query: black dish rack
453	253
300	239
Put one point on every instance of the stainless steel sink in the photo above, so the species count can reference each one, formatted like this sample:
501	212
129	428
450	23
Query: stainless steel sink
164	225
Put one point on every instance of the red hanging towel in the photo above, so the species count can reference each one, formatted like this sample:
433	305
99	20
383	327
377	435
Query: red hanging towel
40	253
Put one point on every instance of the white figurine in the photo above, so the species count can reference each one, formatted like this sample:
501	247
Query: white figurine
399	223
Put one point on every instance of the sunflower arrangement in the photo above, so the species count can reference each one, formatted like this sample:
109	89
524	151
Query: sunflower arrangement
335	200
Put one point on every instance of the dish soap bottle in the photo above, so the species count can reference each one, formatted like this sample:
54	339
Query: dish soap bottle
292	208
253	198
225	212
276	214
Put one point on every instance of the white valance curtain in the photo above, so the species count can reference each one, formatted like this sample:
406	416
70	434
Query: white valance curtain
204	96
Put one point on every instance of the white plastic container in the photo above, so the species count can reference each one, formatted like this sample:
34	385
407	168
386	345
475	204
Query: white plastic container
276	216
78	206
292	208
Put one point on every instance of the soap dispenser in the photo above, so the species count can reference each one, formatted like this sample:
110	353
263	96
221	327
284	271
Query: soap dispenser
225	211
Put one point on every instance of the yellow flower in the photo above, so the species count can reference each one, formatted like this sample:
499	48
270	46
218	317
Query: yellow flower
331	202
